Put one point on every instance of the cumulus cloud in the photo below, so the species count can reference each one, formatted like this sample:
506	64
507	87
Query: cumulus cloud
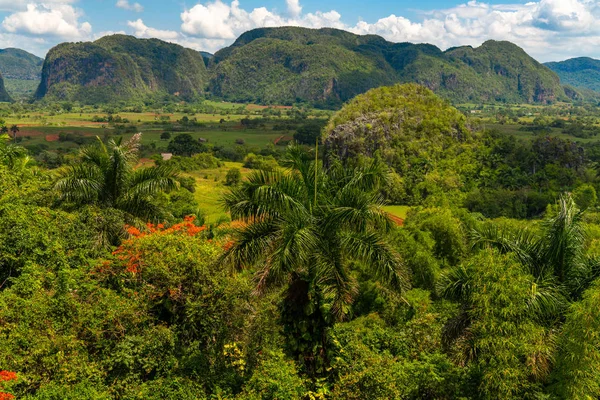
55	20
143	31
294	7
545	28
219	20
126	5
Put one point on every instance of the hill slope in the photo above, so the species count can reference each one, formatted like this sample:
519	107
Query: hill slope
19	64
121	67
330	66
4	96
580	72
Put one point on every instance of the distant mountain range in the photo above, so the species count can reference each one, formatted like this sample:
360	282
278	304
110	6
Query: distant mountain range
322	67
19	64
283	65
582	72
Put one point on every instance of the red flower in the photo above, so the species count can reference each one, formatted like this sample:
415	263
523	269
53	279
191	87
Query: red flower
7	376
6	396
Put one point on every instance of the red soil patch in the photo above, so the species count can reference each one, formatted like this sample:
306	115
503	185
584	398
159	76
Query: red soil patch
280	138
397	220
51	138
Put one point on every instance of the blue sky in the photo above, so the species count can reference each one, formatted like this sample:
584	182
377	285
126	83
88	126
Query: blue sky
547	29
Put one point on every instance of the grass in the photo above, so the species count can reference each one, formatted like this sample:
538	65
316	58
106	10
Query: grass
398	211
258	138
210	186
514	129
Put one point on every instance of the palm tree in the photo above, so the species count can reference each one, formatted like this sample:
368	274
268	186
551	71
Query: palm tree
553	263
14	157
556	256
106	177
14	129
304	228
555	260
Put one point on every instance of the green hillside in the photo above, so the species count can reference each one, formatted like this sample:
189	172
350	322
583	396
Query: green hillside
288	65
329	66
580	72
121	67
19	64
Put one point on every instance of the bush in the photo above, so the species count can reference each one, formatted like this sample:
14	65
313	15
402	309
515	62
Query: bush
165	136
234	177
274	378
585	196
253	161
197	162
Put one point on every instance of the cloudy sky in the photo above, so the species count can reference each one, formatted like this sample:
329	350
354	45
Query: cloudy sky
547	29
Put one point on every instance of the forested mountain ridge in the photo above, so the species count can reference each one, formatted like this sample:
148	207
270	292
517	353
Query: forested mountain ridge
322	67
581	72
283	65
19	64
121	67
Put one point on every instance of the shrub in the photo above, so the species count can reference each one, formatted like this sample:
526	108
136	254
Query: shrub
233	177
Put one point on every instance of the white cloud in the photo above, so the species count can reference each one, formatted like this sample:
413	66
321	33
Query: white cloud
20	5
55	20
545	28
294	7
126	5
218	20
143	31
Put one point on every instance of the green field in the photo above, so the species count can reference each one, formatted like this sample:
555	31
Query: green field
515	130
210	186
398	211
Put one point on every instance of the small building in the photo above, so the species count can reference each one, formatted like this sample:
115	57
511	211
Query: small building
166	156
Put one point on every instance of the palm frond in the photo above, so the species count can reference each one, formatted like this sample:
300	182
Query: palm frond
456	284
153	180
97	155
378	255
141	207
265	194
251	243
81	183
338	286
565	237
547	301
523	243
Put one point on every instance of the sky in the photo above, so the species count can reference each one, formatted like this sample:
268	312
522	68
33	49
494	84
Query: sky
549	30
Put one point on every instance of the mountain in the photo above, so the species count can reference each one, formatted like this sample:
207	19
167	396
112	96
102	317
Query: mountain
206	56
4	96
19	64
580	72
329	66
121	67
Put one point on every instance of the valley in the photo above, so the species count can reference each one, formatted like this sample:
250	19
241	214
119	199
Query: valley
306	214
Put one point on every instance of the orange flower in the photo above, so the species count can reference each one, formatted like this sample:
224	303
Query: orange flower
6	396
7	376
228	245
133	231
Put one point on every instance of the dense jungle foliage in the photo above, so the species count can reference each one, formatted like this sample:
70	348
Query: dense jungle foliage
112	286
